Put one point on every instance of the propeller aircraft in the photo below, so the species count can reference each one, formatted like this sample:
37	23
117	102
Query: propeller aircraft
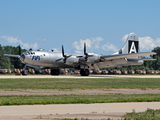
129	55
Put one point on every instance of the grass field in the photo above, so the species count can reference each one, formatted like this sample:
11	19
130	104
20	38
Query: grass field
149	114
83	83
66	99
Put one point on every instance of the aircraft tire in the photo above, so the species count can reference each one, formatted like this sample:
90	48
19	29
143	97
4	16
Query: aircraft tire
55	72
24	72
84	72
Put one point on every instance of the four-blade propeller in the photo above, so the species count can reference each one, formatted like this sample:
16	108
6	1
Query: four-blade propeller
64	56
86	54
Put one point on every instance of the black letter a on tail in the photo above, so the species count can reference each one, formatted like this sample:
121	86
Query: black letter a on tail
133	46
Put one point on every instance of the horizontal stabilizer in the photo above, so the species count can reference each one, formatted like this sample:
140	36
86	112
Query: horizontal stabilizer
10	55
131	55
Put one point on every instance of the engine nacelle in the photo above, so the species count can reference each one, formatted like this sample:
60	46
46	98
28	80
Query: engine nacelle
72	60
90	59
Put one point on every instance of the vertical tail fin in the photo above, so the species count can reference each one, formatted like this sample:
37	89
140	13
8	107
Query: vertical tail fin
131	45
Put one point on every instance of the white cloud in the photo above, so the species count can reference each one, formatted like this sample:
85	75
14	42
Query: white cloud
96	41
80	45
10	39
109	47
90	43
147	43
15	40
93	43
34	46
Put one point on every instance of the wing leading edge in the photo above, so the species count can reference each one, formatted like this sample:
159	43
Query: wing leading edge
120	56
10	55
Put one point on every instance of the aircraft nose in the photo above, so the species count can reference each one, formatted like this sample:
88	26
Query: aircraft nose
22	58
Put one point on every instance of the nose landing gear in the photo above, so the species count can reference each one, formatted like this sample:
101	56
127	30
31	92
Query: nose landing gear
24	72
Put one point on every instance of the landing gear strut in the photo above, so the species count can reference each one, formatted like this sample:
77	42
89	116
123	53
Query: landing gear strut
55	72
24	72
84	72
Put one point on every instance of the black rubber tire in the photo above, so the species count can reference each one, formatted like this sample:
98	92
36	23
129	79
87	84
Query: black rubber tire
24	72
84	72
55	72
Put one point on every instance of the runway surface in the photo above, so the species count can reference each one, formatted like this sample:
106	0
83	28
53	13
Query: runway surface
77	76
92	111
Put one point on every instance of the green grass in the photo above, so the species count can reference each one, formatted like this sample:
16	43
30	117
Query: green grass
73	99
149	114
82	83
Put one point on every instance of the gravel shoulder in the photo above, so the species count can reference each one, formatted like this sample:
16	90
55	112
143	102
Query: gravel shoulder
78	91
63	116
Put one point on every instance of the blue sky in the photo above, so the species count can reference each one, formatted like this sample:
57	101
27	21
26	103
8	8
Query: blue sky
102	24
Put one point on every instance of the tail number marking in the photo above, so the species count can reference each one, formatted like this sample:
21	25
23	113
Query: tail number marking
133	47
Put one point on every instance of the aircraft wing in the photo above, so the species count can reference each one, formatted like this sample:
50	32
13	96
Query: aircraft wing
132	59
120	56
10	55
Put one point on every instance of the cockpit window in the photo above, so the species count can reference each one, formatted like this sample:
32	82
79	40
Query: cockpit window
32	53
27	53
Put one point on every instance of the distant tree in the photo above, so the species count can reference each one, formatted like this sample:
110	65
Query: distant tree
10	62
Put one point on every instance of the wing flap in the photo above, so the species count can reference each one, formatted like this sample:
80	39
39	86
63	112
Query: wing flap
120	56
130	59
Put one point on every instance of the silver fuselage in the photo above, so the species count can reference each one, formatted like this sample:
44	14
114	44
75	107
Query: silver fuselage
48	60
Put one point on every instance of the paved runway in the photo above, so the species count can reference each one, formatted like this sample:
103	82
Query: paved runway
104	110
77	76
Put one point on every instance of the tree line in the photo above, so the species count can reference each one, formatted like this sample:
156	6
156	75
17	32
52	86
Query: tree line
11	63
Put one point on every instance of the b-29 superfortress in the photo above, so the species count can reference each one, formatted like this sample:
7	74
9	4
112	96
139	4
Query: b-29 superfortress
129	55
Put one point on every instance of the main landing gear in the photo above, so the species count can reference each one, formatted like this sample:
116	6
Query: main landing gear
84	72
55	72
